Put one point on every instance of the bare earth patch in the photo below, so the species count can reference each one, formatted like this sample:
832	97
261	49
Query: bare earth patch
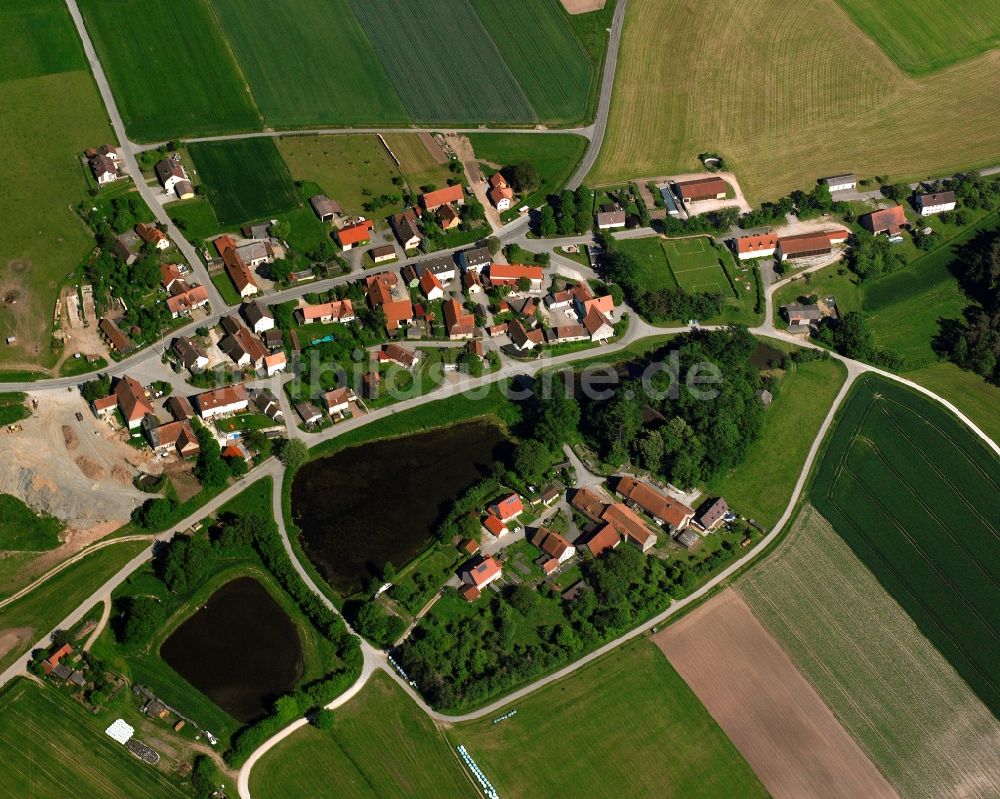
771	713
14	638
94	471
70	437
582	6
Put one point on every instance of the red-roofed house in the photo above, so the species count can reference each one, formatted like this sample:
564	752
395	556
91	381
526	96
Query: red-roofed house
510	507
509	274
599	328
358	233
693	191
661	507
185	302
605	539
237	270
458	322
494	526
759	245
340	311
886	220
151	234
630	525
469	593
132	401
433	200
483	573
274	363
431	286
553	544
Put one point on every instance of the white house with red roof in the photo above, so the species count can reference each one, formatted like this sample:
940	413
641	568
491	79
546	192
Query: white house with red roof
510	507
483	572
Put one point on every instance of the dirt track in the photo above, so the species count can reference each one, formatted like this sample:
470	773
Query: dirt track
767	708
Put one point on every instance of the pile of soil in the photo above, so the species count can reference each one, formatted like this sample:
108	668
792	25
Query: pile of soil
94	471
70	437
120	474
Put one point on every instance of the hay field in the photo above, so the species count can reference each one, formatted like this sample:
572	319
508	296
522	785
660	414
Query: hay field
695	265
625	725
309	62
382	745
776	719
416	163
927	35
913	492
39	39
444	64
170	67
52	748
787	93
895	693
245	179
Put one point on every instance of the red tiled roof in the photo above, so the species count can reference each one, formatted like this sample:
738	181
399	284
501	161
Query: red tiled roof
457	320
132	399
449	194
702	188
659	506
511	273
484	571
604	539
222	396
508	507
429	281
494	525
354	234
469	593
886	219
756	243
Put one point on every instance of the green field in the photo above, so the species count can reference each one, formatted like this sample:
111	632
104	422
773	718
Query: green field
543	53
52	747
762	485
912	491
23	529
383	745
245	179
170	67
13	407
416	164
47	95
195	218
555	156
695	264
655	273
967	391
670	745
442	61
309	62
691	77
927	732
924	36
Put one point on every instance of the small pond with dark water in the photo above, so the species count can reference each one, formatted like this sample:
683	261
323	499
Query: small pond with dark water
240	649
382	501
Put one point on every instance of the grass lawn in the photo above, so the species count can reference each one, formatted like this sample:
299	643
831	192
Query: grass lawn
43	240
349	168
782	138
923	37
72	367
442	61
908	726
634	695
554	156
246	179
544	54
226	288
13	407
382	745
651	256
832	281
909	488
316	67
50	742
170	67
42	609
967	391
416	164
695	264
761	486
23	529
195	218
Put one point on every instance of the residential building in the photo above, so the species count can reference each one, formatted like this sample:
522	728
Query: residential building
521	339
238	271
886	220
433	200
172	279
588	503
170	172
564	334
186	301
443	267
383	254
936	202
500	193
631	526
265	402
274	339
701	189
357	233
610	220
458	322
192	356
104	168
431	286
472	282
507	508
326	209
102	406
335	311
843	182
404	225
664	509
151	234
179	407
338	400
510	274
448	217
255	253
805	245
274	363
599	328
132	402
494	526
393	353
240	344
382	289
309	413
758	245
712	513
475	260
175	436
258	316
604	539
483	572
553	544
222	401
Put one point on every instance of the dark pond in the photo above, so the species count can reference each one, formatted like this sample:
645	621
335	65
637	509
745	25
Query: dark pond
240	649
380	502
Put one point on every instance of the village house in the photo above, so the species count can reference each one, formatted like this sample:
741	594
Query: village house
127	246
701	189
472	282
448	217
102	406
598	326
936	202
494	526
177	436
240	344
481	573
186	301
605	538
712	513
507	508
105	164
759	245
457	321
335	311
338	401
556	546
475	260
383	254
887	220
521	339
274	363
179	407
222	401
510	274
173	177
132	402
382	290
258	316
610	220
255	253
631	526
404	225
443	267
357	233
172	279
500	193
664	509
52	661
393	353
265	402
584	300
326	209
151	234
309	413
588	503
433	200
806	245
843	182
193	357
431	286
238	271
565	334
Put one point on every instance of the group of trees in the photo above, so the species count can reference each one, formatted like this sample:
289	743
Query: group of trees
974	343
566	213
852	336
700	438
872	257
805	205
